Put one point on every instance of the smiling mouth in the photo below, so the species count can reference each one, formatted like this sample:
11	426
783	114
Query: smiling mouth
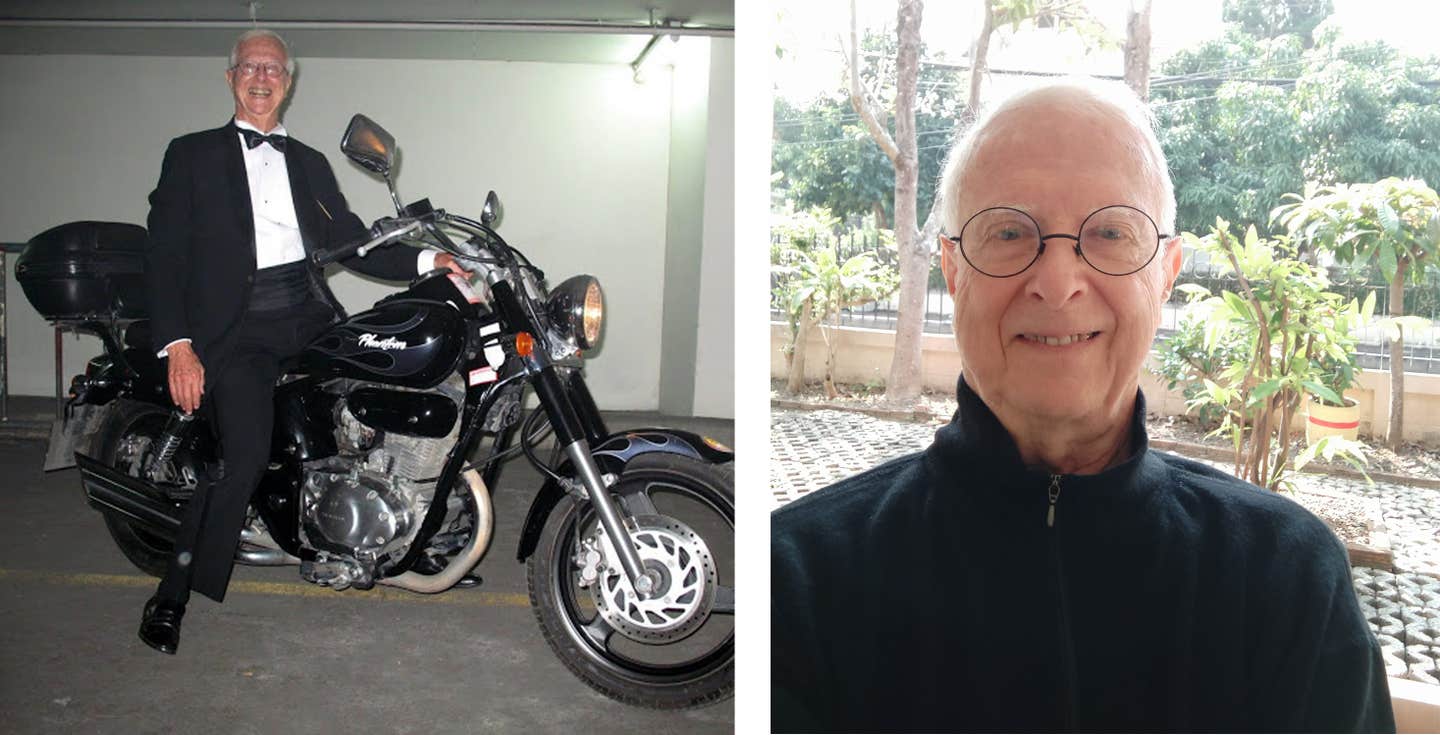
259	92
1059	341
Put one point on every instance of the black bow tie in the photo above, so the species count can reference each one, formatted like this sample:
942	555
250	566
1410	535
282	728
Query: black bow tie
253	138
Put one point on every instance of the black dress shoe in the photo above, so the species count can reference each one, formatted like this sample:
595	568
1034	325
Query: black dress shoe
429	564
160	625
467	582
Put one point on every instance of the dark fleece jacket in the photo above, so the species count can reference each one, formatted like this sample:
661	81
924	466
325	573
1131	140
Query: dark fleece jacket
932	593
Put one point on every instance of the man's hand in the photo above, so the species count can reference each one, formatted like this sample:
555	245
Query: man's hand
187	377
446	260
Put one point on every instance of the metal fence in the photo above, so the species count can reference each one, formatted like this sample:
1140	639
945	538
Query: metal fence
1422	347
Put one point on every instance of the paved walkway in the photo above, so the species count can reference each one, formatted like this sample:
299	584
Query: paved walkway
811	449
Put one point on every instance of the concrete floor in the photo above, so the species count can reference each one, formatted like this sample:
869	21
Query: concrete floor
281	655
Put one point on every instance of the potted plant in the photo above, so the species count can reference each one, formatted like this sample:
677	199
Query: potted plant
1269	339
1324	414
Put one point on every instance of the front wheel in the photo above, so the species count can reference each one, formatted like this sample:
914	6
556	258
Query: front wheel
672	651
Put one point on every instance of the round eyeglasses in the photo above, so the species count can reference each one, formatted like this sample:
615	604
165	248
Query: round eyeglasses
1001	242
250	68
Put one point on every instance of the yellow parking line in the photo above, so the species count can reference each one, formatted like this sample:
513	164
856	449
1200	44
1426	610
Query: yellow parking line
389	594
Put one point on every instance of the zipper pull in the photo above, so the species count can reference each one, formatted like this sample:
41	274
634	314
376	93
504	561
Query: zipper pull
1054	496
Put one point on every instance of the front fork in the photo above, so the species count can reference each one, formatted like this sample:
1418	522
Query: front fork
570	433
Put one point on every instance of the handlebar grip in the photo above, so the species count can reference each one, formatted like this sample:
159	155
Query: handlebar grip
322	258
362	246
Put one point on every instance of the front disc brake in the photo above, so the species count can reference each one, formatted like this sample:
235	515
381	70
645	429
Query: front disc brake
684	595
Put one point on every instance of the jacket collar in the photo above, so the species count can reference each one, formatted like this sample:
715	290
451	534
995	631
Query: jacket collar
976	445
239	182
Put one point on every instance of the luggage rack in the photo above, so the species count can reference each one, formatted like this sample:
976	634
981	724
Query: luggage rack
6	248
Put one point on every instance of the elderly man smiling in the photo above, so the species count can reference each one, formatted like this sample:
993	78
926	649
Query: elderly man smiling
1037	567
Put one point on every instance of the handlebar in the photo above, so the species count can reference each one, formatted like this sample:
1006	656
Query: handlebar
322	258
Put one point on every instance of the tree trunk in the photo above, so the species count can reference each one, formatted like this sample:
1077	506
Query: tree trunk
795	381
881	221
1137	48
1396	429
979	59
830	391
903	383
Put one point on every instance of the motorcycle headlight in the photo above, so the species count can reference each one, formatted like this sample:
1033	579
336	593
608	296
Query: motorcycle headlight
577	307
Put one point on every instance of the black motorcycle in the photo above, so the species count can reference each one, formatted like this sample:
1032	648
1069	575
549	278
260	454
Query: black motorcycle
391	427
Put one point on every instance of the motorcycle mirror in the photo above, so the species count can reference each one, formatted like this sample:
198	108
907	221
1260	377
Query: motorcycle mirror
369	145
492	212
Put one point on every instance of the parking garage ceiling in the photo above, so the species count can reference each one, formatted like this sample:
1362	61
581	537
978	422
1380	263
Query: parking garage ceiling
576	31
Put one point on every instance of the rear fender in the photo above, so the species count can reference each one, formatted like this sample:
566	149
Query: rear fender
91	395
612	454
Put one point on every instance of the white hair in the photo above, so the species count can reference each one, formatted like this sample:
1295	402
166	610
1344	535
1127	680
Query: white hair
1112	101
255	33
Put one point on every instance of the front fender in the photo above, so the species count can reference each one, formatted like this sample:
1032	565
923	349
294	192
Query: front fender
612	454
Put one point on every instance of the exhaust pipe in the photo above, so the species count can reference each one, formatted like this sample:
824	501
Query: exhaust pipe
467	557
111	491
259	548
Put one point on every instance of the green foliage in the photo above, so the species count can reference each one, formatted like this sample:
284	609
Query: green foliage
824	157
1262	347
1333	447
1273	18
1392	222
812	284
1238	138
1185	361
810	278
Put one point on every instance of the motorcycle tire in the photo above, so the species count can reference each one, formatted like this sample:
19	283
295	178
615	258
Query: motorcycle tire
127	422
561	609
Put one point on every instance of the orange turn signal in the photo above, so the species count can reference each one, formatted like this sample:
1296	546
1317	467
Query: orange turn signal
524	344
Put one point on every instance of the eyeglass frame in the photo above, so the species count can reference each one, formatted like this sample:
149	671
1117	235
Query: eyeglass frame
259	67
1040	250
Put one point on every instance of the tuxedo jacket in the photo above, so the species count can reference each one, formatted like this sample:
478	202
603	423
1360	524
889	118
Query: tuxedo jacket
200	266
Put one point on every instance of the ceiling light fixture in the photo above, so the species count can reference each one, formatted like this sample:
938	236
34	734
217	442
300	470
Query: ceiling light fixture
659	51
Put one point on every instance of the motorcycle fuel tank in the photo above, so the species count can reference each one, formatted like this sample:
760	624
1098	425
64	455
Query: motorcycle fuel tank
413	343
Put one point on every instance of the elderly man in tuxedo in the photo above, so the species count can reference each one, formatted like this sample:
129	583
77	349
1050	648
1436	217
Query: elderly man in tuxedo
232	219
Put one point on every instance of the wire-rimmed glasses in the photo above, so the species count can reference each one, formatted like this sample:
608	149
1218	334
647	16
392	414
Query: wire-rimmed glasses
249	69
1001	242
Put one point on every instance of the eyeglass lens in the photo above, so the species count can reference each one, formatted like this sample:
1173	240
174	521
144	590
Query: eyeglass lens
1116	240
250	69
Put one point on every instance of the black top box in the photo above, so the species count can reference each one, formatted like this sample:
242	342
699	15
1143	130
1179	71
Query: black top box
85	270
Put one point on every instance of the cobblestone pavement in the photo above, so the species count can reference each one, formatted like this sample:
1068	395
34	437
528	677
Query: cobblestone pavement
812	449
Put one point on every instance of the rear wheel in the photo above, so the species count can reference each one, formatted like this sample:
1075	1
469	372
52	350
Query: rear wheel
126	442
676	650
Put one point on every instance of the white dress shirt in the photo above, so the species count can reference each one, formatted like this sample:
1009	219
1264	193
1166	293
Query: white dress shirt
277	232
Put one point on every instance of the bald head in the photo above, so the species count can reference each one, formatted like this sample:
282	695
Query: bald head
1053	121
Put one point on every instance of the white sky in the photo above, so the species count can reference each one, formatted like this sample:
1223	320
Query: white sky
810	33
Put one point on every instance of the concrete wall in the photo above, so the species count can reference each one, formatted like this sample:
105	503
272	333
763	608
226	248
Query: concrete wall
689	116
578	153
714	386
863	355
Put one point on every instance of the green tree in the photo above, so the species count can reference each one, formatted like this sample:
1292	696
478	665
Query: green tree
1239	138
1234	147
1274	18
824	157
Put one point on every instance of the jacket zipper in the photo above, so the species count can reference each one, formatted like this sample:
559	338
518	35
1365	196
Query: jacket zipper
1054	496
1067	644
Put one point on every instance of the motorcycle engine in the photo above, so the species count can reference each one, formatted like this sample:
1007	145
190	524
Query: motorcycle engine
371	499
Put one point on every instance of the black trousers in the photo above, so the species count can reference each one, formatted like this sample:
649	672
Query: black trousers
242	411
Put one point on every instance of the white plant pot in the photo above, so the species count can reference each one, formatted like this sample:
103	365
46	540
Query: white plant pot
1322	420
